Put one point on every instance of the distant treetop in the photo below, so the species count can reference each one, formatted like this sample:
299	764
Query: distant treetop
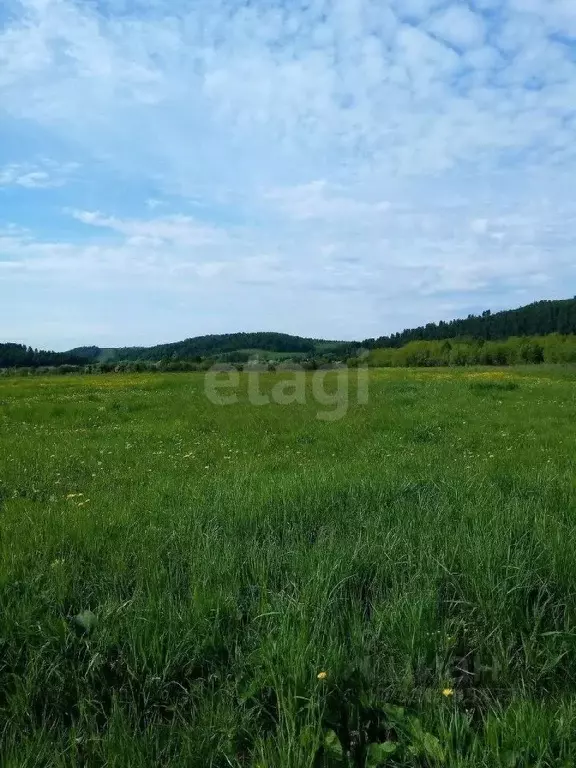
538	319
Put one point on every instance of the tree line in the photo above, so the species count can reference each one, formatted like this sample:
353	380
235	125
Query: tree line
540	332
164	366
553	348
21	356
538	319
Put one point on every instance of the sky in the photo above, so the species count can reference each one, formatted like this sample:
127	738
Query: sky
331	168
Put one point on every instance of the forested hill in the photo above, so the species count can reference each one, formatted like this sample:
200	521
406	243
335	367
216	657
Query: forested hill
219	345
538	319
21	356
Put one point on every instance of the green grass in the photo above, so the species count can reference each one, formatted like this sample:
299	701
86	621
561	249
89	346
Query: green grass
179	611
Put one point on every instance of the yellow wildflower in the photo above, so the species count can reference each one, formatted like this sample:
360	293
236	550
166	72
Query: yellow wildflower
448	692
322	675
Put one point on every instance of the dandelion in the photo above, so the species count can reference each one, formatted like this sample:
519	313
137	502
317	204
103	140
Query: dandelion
448	692
322	675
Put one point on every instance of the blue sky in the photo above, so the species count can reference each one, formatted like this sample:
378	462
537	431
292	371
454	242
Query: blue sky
335	168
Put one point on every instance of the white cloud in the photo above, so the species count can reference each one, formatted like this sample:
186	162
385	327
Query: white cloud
182	230
459	26
317	200
356	80
42	175
556	16
377	157
479	226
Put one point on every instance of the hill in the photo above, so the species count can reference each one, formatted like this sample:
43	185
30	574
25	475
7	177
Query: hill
541	318
228	345
538	319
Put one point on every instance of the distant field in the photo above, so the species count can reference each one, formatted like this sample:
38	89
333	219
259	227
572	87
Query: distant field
188	584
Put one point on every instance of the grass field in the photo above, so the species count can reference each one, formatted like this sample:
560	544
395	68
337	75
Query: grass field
188	584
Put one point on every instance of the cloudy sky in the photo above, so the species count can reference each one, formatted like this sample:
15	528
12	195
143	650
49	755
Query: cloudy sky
335	168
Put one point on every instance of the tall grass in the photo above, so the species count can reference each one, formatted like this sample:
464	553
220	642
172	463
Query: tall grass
174	576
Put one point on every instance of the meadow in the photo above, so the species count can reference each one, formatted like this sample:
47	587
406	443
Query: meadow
187	584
